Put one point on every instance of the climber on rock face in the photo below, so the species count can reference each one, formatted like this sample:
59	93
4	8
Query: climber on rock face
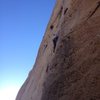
55	39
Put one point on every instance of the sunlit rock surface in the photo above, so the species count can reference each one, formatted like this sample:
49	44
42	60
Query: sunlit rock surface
68	62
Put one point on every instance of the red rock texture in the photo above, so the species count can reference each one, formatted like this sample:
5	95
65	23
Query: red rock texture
68	62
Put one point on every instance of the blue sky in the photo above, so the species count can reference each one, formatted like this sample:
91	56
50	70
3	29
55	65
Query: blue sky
22	26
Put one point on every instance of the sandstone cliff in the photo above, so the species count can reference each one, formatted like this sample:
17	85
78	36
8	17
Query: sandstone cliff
68	62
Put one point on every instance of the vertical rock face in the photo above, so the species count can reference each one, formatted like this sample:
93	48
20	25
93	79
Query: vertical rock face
68	62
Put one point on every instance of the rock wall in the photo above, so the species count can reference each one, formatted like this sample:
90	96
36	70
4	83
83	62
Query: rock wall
68	62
